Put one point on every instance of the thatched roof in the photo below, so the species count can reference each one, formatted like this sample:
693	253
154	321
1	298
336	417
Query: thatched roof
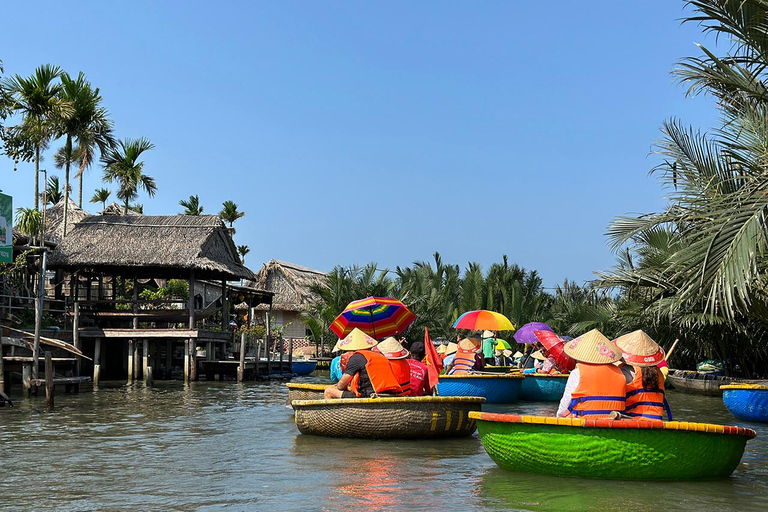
117	209
290	283
54	219
166	246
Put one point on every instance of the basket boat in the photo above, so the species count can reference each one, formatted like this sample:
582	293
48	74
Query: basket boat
303	367
297	391
539	387
748	402
612	449
417	417
699	383
496	389
498	369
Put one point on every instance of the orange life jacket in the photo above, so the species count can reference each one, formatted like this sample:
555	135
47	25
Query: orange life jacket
380	374
601	389
463	363
646	403
402	371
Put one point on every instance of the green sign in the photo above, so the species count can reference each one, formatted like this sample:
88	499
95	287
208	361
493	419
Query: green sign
6	229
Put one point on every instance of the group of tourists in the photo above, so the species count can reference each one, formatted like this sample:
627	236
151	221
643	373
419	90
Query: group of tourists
615	379
369	368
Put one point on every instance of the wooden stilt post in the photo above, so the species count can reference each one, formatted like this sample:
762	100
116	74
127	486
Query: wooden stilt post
290	352
49	389
241	367
150	379
145	361
130	361
96	362
2	369
269	346
258	357
168	358
186	361
136	360
76	339
189	347
193	361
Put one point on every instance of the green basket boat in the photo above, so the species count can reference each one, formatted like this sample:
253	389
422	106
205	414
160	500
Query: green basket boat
612	449
301	391
412	417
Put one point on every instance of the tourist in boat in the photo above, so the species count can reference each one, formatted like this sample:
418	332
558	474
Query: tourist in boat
489	345
645	391
469	357
397	356
367	373
449	353
596	387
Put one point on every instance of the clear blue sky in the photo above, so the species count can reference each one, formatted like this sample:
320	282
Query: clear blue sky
352	132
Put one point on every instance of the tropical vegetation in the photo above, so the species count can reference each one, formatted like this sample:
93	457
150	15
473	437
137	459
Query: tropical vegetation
122	165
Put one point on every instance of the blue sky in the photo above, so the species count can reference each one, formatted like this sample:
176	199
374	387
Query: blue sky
352	132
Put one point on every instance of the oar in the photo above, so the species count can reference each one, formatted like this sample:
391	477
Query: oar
665	370
671	350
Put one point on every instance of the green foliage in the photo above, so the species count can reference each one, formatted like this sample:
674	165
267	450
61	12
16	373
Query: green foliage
192	206
101	195
122	165
29	221
229	213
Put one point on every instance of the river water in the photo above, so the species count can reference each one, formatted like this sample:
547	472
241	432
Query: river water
221	446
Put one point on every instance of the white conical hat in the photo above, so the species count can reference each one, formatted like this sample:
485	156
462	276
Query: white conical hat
391	348
593	347
356	340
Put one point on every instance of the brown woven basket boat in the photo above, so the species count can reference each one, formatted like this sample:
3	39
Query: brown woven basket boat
419	417
298	391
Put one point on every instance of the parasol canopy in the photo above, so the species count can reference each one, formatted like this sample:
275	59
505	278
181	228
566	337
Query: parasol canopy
482	319
554	346
502	344
376	316
525	334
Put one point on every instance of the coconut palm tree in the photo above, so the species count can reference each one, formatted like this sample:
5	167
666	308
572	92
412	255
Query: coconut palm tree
192	206
29	221
53	192
243	250
88	125
121	164
38	99
229	213
101	195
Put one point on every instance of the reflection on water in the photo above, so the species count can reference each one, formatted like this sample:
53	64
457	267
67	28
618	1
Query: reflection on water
223	446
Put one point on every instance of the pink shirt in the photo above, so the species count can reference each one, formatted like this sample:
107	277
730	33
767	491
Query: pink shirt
419	378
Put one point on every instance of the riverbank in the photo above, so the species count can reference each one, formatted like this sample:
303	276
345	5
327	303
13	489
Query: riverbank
217	446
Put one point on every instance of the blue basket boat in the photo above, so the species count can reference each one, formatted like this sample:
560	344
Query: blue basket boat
748	402
496	389
303	367
543	387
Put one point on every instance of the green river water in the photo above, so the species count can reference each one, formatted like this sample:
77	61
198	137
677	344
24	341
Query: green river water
221	446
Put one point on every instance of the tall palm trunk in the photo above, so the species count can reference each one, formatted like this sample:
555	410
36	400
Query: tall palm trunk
37	177
125	212
68	151
80	191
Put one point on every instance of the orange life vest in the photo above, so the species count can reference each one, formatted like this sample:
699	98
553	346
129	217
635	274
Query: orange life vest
601	389
402	371
464	362
646	403
380	374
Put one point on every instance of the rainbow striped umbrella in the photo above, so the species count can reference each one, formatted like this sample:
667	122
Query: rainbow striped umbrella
483	319
376	316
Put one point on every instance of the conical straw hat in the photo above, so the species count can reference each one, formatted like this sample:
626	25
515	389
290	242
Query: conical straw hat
488	334
392	349
593	347
357	340
441	349
469	344
517	354
336	346
538	355
506	352
639	349
451	348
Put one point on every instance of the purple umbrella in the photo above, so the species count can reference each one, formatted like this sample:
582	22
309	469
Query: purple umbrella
525	333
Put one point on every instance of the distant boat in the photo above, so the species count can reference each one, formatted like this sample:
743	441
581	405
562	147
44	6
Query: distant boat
496	389
542	387
303	367
748	402
703	383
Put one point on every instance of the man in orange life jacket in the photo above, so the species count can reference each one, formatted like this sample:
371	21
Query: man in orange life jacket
467	357
397	356
367	372
596	387
645	392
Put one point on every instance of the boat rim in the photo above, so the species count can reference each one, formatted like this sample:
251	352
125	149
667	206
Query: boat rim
307	385
484	376
686	426
556	375
758	387
390	400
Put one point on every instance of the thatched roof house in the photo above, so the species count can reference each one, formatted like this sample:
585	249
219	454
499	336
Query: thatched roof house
164	246
290	283
117	209
54	219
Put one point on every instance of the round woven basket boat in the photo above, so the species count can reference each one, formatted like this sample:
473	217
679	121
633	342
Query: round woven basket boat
605	448
298	391
748	402
540	387
419	417
496	389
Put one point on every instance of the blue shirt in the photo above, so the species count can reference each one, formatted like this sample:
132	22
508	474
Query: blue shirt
336	369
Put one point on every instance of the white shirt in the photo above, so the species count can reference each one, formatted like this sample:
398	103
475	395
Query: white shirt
570	387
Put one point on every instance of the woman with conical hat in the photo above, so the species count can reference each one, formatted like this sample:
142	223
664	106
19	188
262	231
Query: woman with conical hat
448	353
396	354
468	351
645	393
596	387
367	372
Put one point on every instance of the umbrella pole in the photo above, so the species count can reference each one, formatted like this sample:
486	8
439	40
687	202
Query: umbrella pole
373	325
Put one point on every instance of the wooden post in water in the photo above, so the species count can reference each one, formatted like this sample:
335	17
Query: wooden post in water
258	357
76	340
2	369
149	379
26	377
130	361
269	346
145	361
290	353
168	358
133	349
49	389
241	367
186	361
136	360
189	345
96	362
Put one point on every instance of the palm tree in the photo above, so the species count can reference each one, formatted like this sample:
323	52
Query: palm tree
192	205
101	195
121	164
88	125
37	98
53	192
29	221
243	250
230	214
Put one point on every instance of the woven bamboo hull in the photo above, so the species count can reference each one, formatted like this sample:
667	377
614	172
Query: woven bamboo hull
305	391
748	403
496	389
698	383
387	418
303	367
626	450
543	388
497	369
